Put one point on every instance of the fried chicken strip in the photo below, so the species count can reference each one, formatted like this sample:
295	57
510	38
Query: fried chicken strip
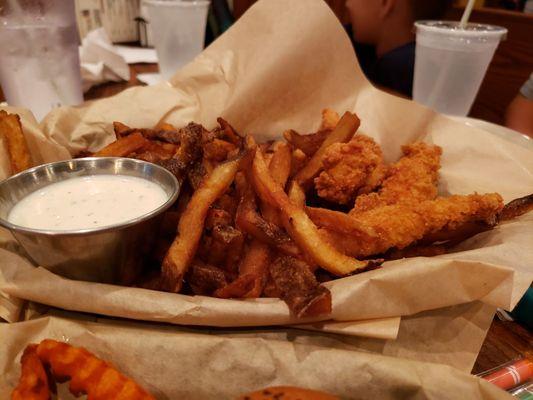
33	383
409	181
400	225
88	374
350	168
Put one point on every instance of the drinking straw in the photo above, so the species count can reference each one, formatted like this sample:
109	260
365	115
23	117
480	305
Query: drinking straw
511	374
466	14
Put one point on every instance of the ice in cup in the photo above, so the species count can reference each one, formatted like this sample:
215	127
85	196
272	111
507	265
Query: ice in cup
39	67
178	31
451	62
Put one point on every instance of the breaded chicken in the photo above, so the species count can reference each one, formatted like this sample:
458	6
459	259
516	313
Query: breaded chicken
409	181
399	225
350	168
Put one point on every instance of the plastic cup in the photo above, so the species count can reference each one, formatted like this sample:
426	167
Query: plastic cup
39	67
451	62
178	29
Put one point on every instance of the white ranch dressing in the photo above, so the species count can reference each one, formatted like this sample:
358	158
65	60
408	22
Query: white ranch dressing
86	202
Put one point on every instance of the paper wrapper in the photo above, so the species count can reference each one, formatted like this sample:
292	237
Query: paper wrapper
188	364
276	68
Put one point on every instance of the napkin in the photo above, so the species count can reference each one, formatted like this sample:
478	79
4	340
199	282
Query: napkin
99	60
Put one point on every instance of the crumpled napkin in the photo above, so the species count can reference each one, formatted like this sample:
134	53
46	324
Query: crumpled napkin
99	60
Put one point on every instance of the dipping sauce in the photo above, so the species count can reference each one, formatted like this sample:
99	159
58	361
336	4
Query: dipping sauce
86	202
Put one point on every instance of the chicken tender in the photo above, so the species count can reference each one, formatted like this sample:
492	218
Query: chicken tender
399	225
409	181
349	168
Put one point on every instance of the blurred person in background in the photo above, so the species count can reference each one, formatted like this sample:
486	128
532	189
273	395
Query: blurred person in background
519	114
384	36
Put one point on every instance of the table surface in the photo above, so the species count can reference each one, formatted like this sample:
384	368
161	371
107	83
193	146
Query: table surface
505	340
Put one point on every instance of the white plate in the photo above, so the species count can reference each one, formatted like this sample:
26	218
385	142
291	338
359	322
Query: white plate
498	130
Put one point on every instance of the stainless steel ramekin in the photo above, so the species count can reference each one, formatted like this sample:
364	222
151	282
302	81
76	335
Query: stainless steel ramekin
107	254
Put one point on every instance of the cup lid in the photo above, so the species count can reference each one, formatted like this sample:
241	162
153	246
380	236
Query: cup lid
472	30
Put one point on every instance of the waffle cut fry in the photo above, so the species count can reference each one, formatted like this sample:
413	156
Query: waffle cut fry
88	374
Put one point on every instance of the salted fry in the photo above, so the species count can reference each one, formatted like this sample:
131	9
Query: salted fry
298	160
340	222
516	208
190	227
87	373
33	383
121	129
280	168
11	132
299	225
307	144
343	132
250	221
296	194
124	146
253	273
218	150
230	134
299	288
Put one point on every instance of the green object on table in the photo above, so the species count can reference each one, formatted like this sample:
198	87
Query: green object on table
525	395
523	312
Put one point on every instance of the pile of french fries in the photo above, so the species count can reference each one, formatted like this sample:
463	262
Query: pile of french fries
239	228
242	228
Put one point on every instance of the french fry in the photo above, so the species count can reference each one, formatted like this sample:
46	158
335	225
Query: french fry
11	131
121	129
229	133
190	227
280	164
516	208
124	146
87	373
253	273
280	168
248	220
308	144
218	150
343	132
33	383
299	225
299	288
339	222
296	194
298	161
330	119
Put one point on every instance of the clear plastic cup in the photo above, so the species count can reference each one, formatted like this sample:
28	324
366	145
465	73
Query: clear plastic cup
451	62
39	61
178	30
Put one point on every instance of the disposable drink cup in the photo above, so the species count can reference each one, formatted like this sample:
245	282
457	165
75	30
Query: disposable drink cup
178	31
451	62
39	62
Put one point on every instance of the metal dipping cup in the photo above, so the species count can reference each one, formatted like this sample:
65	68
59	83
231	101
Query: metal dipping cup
111	254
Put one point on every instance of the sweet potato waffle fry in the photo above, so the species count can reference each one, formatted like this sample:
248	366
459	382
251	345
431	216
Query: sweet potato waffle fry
276	219
88	374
